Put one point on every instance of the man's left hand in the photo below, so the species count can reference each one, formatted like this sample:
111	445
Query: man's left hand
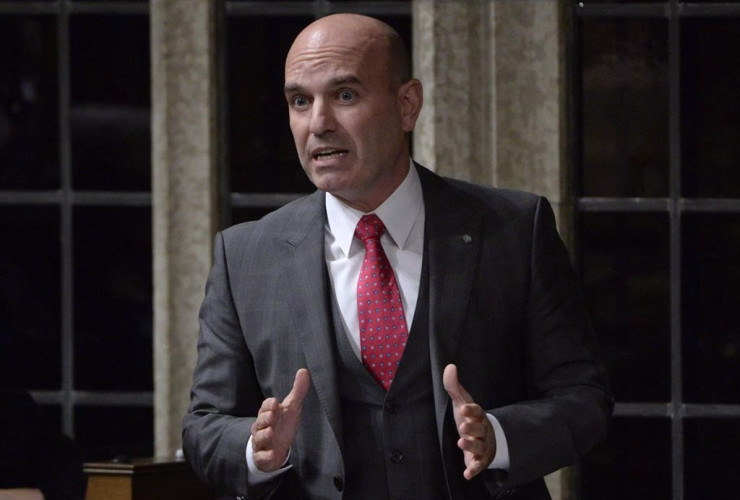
477	440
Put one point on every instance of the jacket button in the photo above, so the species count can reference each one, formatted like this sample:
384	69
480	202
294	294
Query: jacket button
338	483
396	456
391	407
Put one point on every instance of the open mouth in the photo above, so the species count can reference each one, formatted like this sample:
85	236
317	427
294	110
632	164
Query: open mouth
334	153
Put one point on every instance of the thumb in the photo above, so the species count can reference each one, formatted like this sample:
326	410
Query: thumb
452	385
300	388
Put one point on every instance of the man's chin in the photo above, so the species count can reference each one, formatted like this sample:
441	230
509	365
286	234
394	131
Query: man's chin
329	183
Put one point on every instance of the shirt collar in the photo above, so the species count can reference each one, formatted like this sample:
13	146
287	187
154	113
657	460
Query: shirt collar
398	212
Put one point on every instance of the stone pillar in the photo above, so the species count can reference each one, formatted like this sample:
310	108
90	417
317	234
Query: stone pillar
184	197
495	109
495	94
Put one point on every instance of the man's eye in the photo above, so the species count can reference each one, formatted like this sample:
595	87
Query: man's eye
299	101
346	95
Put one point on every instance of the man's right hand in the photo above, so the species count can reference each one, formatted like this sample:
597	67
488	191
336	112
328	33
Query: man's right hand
277	424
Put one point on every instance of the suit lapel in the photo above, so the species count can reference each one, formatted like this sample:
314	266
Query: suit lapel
452	239
306	286
452	235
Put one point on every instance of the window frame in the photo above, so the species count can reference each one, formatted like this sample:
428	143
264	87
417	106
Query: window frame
67	199
675	206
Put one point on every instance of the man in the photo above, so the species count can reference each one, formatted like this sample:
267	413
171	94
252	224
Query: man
395	334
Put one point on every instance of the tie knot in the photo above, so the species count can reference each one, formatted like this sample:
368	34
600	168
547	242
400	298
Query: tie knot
369	227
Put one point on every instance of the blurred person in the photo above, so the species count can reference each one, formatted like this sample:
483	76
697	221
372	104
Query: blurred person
36	461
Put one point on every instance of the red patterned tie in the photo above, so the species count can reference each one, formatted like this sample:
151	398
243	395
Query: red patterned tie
383	332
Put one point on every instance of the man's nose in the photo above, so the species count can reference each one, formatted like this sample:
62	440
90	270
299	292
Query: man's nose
322	118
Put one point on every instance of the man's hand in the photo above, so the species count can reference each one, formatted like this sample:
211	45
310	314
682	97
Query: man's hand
477	440
277	424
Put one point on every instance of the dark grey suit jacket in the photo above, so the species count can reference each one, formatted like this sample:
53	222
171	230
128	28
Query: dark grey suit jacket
504	306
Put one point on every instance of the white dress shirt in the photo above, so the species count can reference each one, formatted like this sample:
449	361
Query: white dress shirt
403	215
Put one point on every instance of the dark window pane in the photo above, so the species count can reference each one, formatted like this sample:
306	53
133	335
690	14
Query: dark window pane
262	153
624	115
113	298
110	115
634	463
711	107
104	433
50	417
711	459
30	297
625	269
711	316
29	103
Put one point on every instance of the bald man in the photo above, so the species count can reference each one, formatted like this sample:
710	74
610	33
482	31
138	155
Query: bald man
394	335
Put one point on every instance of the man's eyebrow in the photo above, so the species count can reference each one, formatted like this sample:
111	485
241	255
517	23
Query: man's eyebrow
343	80
335	82
293	87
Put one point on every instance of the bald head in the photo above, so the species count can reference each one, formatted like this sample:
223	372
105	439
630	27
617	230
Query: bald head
369	35
352	103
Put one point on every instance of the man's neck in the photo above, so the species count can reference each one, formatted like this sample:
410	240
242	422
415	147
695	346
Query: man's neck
368	202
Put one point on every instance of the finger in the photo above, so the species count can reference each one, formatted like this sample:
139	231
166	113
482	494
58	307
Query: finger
473	430
262	440
257	429
265	419
453	387
269	404
472	411
265	460
474	446
474	468
300	388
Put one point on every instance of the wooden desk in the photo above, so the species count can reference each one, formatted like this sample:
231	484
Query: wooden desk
144	479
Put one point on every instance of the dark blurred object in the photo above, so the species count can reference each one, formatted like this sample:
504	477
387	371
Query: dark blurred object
35	455
144	478
29	103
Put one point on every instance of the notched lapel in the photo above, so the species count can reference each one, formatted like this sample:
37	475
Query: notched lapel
453	235
308	300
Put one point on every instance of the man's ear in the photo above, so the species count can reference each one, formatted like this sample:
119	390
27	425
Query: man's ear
411	97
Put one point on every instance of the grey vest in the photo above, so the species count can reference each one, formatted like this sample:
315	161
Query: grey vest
391	448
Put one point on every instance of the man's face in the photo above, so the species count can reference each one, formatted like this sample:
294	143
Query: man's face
347	122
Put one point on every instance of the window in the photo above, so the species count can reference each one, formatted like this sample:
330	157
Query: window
658	223
75	192
75	218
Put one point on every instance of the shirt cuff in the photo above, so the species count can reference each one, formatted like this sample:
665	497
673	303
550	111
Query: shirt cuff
257	476
501	459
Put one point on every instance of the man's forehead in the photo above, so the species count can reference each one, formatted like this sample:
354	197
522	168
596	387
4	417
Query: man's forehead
327	64
324	63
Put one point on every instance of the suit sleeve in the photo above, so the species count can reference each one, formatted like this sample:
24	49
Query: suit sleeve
225	395
568	402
